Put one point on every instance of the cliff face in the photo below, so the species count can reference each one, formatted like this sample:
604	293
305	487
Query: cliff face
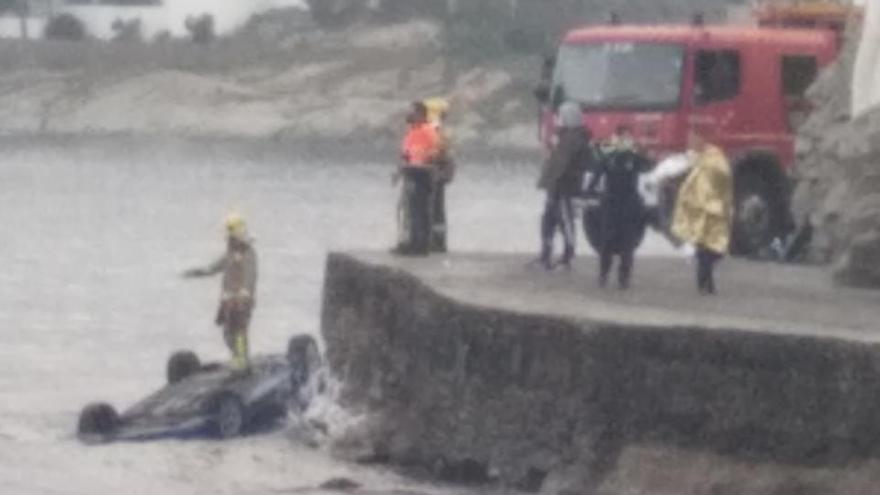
838	169
562	403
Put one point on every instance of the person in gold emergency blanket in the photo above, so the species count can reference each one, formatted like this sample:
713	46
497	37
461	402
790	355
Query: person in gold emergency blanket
704	210
238	288
444	172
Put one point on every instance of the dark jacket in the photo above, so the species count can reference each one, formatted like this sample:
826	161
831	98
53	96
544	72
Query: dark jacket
621	206
571	158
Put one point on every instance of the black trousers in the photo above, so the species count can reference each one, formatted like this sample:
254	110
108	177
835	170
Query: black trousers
706	261
417	185
558	215
624	268
438	217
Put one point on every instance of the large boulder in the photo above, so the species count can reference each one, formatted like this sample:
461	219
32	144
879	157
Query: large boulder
838	172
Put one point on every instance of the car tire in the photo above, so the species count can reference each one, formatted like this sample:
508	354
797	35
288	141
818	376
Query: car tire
97	421
303	353
181	365
230	416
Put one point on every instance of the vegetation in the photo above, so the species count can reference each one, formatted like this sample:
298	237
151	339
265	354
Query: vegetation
66	27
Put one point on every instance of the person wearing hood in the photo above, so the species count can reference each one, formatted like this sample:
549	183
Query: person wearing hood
562	179
621	208
704	209
238	287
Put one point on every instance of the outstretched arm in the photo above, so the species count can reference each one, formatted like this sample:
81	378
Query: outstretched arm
207	271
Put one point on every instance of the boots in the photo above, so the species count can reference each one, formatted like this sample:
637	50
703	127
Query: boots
240	360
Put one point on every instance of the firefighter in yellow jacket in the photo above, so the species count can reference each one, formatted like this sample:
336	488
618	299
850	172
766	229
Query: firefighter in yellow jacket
238	289
704	210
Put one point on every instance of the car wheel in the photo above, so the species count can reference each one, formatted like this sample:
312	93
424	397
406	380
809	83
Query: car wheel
229	416
181	365
303	354
97	421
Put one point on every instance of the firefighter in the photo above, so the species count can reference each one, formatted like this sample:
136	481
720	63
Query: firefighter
621	208
444	172
238	294
419	150
562	179
704	209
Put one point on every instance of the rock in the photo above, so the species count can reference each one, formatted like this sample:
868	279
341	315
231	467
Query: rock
859	266
340	485
839	179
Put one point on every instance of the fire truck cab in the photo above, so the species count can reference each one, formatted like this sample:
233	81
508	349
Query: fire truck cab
747	81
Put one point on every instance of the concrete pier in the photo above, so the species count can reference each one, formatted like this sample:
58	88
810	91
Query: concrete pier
479	366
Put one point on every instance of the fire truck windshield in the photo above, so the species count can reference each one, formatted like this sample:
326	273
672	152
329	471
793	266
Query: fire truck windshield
619	76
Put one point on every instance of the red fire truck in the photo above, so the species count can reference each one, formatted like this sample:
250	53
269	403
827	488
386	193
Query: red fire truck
748	80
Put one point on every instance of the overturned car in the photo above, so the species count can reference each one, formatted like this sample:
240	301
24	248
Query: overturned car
211	399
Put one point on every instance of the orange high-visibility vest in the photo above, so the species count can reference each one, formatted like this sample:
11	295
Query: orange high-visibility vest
420	145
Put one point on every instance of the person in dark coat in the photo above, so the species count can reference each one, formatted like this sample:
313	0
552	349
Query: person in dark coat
622	210
562	179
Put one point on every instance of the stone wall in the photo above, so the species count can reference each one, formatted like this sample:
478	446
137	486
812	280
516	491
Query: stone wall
543	402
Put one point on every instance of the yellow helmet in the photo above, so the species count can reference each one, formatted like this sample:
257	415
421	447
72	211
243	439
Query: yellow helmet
437	108
235	225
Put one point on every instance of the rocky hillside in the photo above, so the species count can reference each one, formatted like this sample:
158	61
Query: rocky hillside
839	172
353	84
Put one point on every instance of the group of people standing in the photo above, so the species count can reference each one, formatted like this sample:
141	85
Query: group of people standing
426	168
703	213
609	172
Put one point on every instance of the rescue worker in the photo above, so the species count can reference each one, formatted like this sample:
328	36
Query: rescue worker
621	208
238	294
704	209
419	151
562	179
444	172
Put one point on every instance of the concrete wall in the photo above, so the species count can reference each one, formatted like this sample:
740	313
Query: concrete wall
470	391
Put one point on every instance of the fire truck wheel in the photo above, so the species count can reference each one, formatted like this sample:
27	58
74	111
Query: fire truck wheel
753	227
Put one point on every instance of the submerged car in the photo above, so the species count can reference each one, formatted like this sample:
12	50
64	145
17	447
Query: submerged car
210	398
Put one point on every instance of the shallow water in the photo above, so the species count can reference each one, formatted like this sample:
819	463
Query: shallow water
91	303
